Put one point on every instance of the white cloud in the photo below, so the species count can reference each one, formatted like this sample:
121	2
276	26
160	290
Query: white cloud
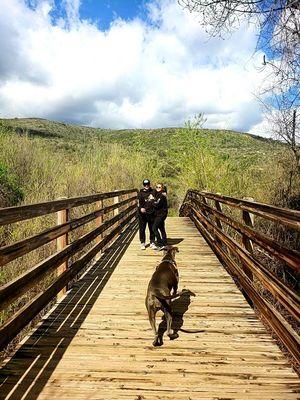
135	74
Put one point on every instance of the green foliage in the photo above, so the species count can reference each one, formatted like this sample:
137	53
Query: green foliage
10	192
51	159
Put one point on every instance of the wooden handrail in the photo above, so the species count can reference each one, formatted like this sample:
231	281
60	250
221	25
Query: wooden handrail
10	215
285	295
285	216
240	257
11	252
15	288
290	257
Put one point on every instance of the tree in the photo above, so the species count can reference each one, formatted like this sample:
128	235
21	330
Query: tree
278	25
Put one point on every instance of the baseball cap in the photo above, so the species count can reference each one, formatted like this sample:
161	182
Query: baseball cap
146	182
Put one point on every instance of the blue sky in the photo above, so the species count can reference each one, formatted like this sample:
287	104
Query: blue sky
125	64
103	12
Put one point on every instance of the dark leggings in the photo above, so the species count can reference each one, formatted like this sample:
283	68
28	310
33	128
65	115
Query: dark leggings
159	230
145	219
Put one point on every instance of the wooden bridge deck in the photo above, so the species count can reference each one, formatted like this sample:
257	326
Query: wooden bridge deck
97	342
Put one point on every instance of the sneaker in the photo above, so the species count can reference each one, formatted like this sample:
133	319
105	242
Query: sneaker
152	245
162	247
155	247
143	246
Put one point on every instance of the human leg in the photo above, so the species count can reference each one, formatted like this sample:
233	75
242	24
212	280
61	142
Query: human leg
162	230
142	228
150	226
156	232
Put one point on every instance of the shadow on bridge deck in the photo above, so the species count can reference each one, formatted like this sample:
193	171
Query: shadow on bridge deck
99	347
25	375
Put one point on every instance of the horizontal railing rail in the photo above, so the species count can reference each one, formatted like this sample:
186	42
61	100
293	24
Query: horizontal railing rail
235	243
121	216
11	252
10	215
284	215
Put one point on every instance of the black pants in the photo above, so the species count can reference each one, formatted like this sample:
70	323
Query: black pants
145	219
159	230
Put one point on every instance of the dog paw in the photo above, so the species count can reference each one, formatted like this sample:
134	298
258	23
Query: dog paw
173	336
157	342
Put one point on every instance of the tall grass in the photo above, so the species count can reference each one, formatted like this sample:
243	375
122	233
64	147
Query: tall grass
42	169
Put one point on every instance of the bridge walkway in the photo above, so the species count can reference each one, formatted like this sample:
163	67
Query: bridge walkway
97	342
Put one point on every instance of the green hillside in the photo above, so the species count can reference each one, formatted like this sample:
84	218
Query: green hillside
229	143
224	161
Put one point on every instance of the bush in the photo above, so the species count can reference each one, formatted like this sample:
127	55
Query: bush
10	193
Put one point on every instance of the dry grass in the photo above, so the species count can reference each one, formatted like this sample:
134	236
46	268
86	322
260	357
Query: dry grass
45	170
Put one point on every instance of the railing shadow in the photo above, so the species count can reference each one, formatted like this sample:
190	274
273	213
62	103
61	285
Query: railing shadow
26	374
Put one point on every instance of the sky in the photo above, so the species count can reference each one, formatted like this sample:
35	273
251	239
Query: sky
126	64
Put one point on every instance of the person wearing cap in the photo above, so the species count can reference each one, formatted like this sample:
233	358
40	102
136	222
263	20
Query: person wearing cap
146	197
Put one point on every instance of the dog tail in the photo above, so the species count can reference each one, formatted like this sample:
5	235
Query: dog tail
161	296
192	330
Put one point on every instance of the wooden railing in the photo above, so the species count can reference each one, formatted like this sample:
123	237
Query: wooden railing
237	243
122	214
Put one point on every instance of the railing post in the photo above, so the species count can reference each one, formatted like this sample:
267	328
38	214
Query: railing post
204	212
99	221
248	219
218	206
116	210
61	243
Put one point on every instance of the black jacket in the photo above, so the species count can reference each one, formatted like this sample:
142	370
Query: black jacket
146	199
160	205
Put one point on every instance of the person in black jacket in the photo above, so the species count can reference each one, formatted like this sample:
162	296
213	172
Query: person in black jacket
160	214
146	198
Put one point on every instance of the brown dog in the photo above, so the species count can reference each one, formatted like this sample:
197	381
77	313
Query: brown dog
164	279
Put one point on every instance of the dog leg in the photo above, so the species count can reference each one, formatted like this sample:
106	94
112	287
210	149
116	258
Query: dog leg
175	287
172	335
157	340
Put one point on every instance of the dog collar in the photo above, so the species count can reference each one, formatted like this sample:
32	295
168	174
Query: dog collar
173	263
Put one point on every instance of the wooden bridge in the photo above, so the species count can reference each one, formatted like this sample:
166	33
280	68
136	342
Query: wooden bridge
95	342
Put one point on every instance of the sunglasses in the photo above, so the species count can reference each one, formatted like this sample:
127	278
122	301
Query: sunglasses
158	187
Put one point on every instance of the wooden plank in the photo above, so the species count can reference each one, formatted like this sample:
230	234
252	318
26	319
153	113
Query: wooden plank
97	342
285	332
23	316
288	297
20	284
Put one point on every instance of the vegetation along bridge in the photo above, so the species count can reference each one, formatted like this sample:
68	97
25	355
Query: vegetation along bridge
93	341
